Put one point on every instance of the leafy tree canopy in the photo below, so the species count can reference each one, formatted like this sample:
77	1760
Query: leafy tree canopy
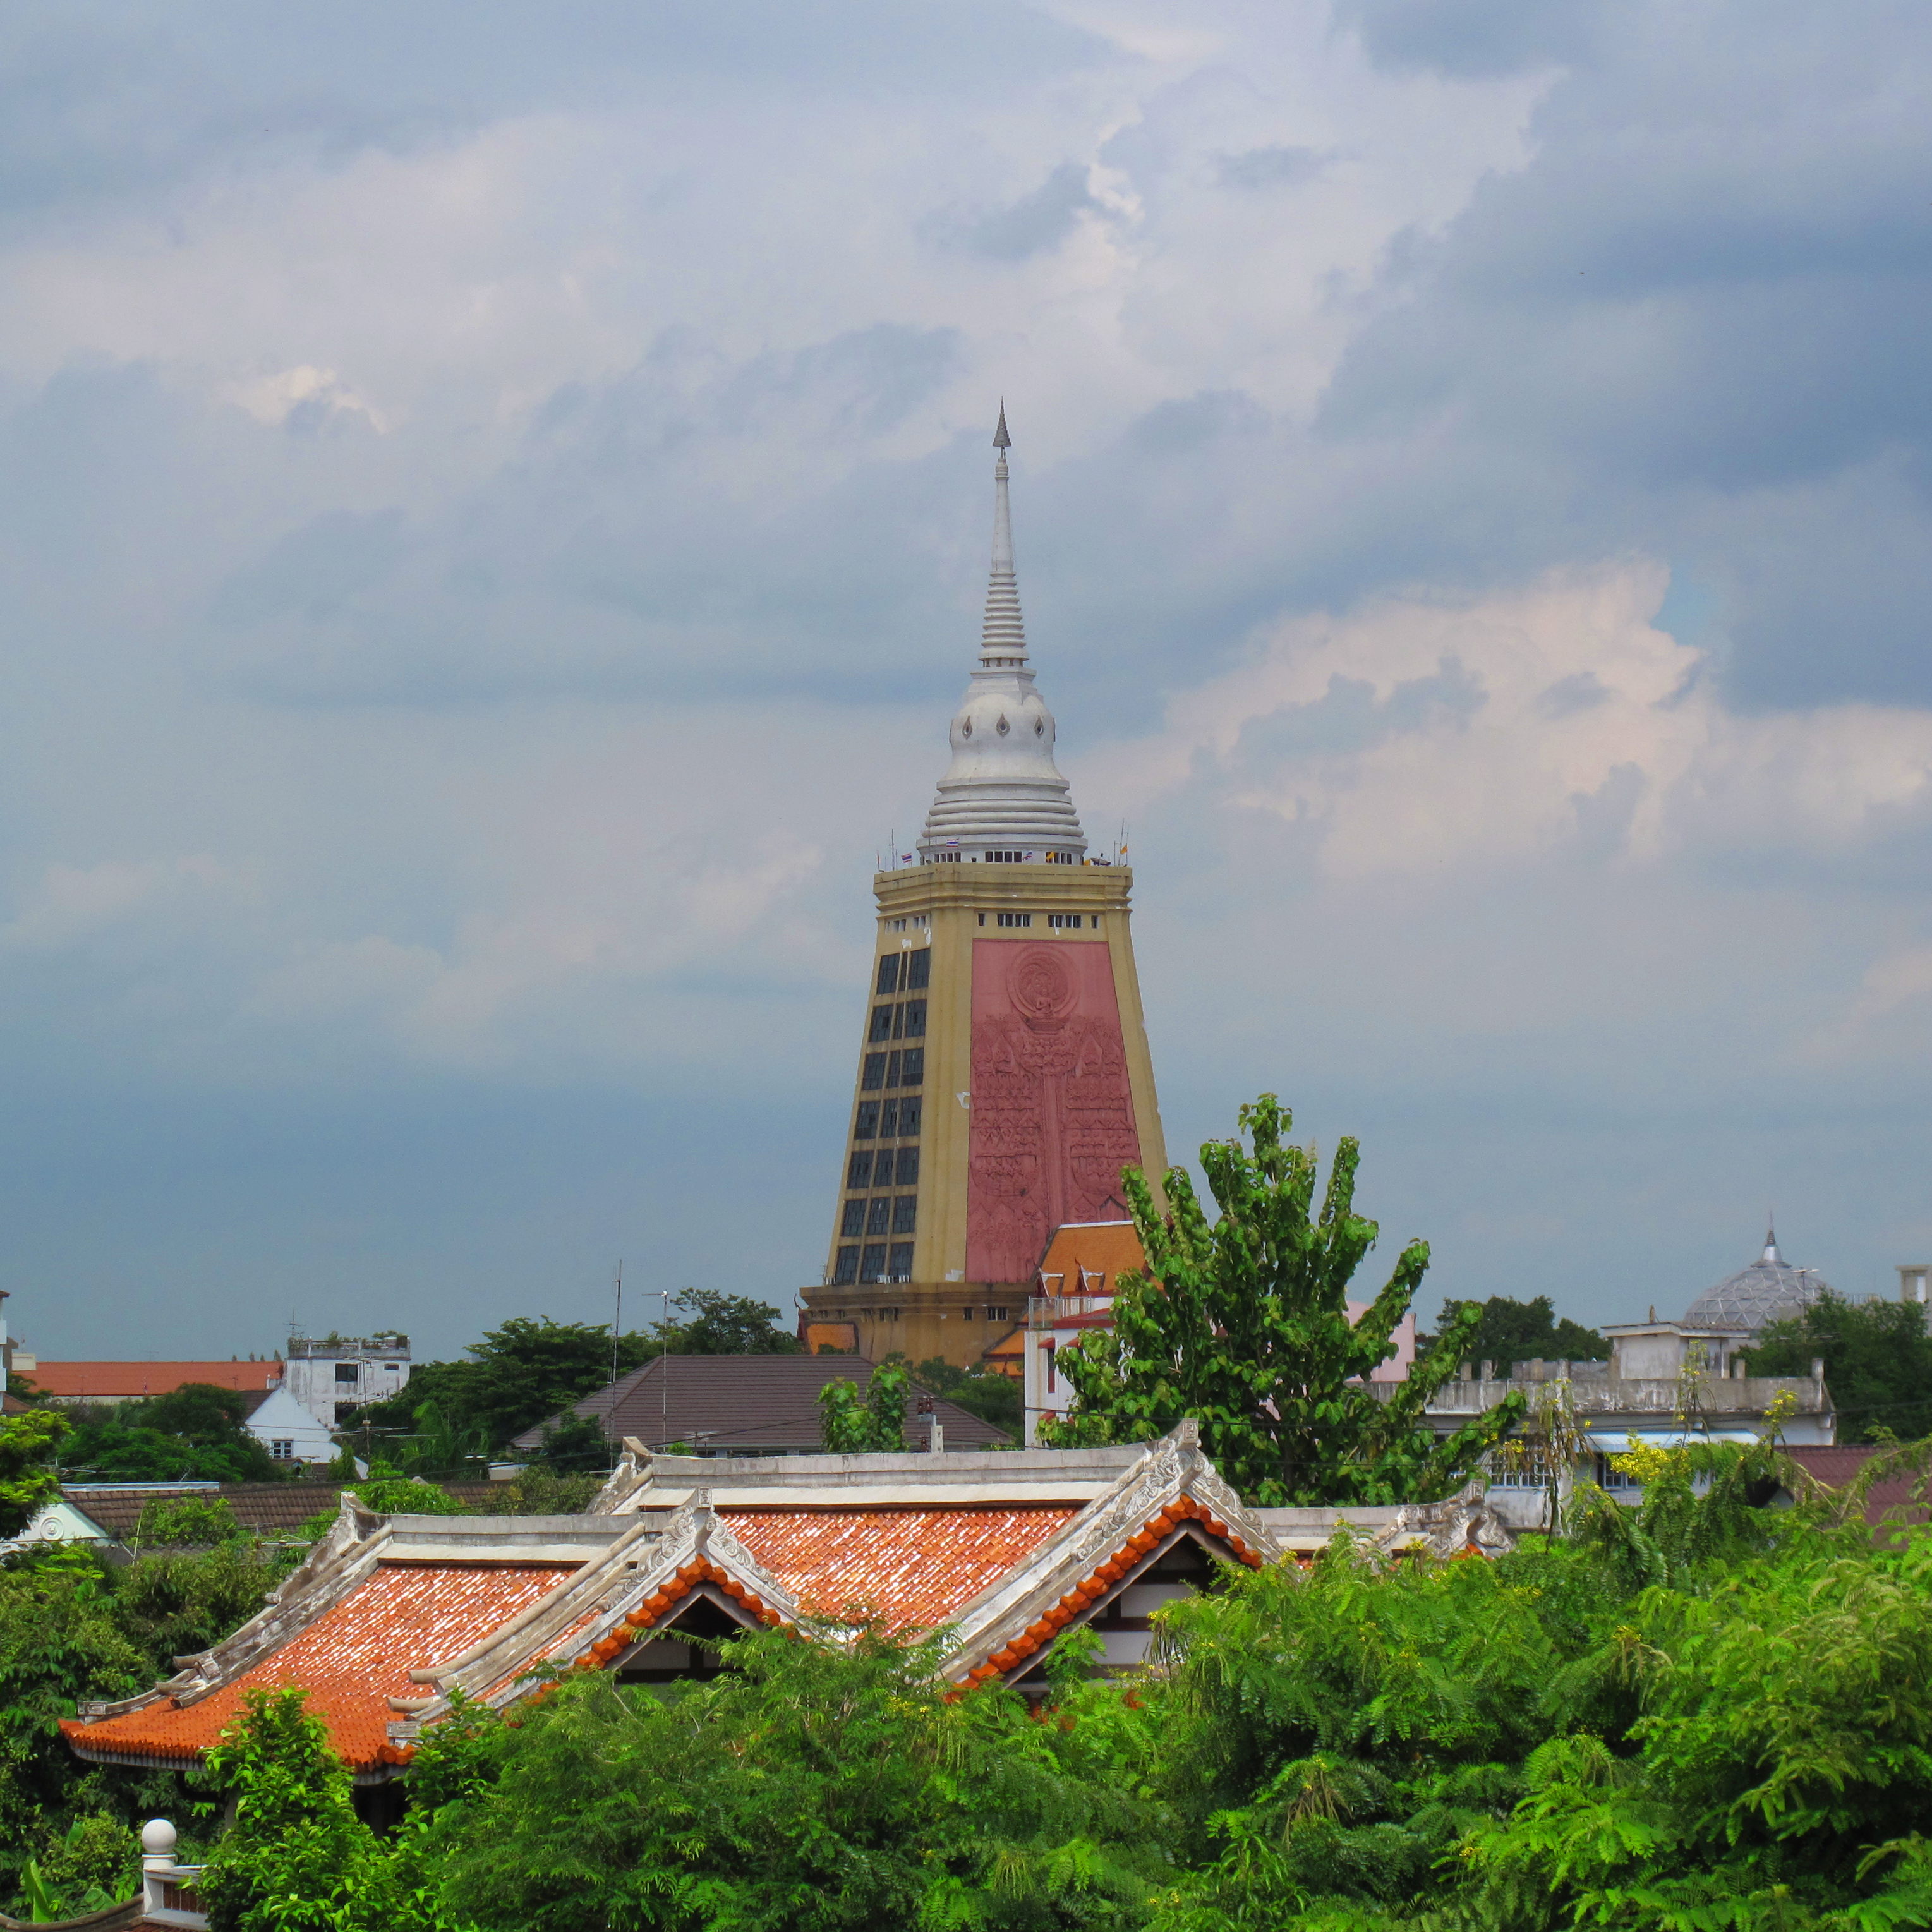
873	1422
993	1397
530	1369
1509	1332
1244	1326
1878	1363
29	1443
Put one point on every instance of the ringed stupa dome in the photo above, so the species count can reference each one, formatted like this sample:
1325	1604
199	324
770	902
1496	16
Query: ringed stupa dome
1769	1290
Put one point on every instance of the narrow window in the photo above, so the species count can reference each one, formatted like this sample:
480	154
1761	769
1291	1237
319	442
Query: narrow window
982	919
908	1173
888	1121
996	1315
872	1262
893	1071
346	1371
868	1126
919	969
915	1019
1096	922
854	1222
889	973
912	1069
900	1268
1016	918
909	1111
1047	1350
903	1209
874	1077
846	1270
875	1221
859	1170
882	1023
967	1314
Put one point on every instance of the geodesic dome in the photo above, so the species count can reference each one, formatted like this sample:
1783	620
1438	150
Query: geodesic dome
1768	1290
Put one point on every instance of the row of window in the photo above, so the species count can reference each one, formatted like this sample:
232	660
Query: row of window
888	1119
890	1168
906	972
875	1261
1061	921
906	1021
884	1214
907	1068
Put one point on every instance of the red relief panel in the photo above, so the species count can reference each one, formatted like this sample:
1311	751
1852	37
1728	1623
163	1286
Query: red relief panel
1053	1114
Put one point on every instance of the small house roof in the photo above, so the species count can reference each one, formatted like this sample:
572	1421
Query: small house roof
1088	1257
758	1404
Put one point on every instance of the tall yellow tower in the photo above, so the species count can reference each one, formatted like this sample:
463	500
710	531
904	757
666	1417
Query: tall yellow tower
1003	1076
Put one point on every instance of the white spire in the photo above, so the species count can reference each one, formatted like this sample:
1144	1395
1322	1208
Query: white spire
1003	796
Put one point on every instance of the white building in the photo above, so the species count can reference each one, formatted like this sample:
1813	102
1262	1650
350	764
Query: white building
333	1376
288	1431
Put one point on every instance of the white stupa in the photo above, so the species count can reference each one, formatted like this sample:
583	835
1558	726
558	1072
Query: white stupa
1002	800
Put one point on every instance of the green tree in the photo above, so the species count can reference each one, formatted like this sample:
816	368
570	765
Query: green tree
1878	1363
1244	1326
723	1324
186	1522
851	1423
575	1445
28	1480
993	1397
1509	1332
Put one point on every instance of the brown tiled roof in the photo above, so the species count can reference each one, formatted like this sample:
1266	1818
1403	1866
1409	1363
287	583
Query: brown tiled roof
1840	1464
73	1382
913	1566
352	1659
269	1509
756	1405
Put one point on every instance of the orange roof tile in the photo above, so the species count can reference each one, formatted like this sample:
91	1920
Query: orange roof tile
73	1380
352	1659
916	1566
1088	1257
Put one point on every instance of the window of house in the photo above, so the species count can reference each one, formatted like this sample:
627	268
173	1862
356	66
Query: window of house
909	1113
1062	921
345	1411
900	1267
967	1314
1063	858
915	1020
1016	918
904	1208
982	919
875	1217
283	1452
889	973
854	1220
892	1070
395	1368
868	1126
1510	1472
874	1077
1096	922
888	1123
912	1069
882	1023
349	1372
908	1165
859	1170
1006	858
872	1262
1046	1352
845	1269
1609	1477
919	969
996	1315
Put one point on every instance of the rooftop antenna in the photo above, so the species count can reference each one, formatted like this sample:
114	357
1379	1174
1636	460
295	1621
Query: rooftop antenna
617	1322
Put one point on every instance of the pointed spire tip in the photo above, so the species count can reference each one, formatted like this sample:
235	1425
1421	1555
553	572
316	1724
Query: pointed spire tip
1001	438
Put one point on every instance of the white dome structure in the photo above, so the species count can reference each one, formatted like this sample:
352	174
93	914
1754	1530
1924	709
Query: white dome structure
1002	800
1769	1290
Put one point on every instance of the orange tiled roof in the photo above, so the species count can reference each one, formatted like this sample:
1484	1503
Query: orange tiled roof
73	1380
1089	1256
914	1566
352	1659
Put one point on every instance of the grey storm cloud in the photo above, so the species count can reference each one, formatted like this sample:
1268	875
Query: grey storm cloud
493	515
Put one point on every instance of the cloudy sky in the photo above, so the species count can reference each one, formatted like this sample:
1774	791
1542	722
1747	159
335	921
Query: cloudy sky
493	503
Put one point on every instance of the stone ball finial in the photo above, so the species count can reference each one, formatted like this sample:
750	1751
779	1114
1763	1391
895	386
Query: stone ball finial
157	1837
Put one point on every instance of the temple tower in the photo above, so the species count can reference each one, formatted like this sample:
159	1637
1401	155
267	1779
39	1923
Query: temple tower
1003	1079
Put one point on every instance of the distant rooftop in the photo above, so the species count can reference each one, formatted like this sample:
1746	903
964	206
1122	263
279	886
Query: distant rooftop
385	1342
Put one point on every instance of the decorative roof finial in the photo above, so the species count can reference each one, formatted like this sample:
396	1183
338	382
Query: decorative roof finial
1001	438
1003	634
1771	1253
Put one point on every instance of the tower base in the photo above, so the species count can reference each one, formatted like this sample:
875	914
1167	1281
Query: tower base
958	1322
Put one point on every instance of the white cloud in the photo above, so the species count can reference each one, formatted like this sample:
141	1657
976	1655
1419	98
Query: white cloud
75	904
1421	734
